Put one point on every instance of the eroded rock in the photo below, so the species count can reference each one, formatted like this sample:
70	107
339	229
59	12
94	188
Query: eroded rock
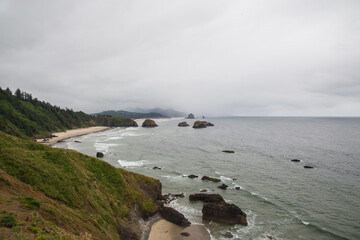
224	213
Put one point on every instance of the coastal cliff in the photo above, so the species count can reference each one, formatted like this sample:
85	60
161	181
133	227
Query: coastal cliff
48	193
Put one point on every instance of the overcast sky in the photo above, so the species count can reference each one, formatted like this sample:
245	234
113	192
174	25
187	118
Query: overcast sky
210	57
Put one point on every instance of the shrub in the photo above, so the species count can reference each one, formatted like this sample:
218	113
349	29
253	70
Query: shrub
8	220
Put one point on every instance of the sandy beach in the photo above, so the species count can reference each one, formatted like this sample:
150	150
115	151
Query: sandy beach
70	133
164	230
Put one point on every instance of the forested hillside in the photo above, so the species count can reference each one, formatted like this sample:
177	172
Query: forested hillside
24	116
27	117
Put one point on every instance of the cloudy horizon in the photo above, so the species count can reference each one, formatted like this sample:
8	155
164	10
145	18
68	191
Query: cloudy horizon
213	58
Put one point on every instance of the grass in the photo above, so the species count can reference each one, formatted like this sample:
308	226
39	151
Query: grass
87	190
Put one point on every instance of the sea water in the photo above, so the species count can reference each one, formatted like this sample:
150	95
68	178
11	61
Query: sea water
281	198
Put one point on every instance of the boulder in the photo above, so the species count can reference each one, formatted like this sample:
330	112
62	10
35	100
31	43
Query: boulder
183	124
149	123
206	178
203	190
295	160
205	197
202	124
227	235
228	151
224	213
308	166
199	124
156	167
99	154
192	176
191	116
174	216
223	186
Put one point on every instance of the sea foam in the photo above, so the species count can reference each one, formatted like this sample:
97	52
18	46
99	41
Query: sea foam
129	164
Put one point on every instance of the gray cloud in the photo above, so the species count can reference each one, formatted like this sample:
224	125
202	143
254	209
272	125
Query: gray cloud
209	57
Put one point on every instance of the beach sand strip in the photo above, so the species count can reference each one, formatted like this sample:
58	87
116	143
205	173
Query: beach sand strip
71	133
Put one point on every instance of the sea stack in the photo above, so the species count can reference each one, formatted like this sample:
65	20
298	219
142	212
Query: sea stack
183	124
191	116
149	123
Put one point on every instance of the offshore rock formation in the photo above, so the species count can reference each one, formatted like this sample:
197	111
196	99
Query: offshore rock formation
149	123
183	124
99	154
228	151
191	116
202	124
224	213
206	178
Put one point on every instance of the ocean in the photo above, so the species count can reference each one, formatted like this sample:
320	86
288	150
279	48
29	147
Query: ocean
281	198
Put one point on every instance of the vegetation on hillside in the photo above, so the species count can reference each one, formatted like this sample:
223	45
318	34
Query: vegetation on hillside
113	121
49	193
135	115
24	116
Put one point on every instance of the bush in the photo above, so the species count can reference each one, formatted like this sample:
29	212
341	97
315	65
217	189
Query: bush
8	220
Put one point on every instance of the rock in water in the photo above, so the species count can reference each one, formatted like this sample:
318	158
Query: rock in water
191	116
183	124
149	123
199	124
202	124
295	160
308	166
223	186
224	213
99	154
228	151
213	198
174	216
192	176
206	178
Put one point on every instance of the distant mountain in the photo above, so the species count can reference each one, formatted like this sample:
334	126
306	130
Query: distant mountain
166	112
126	114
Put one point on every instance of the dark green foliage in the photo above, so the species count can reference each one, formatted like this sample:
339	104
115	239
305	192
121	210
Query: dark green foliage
30	203
126	114
24	116
115	121
8	220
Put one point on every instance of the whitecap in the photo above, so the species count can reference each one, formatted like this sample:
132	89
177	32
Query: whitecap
305	223
223	178
100	146
114	138
130	164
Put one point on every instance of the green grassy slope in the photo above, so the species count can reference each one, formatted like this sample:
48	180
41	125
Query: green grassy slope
69	191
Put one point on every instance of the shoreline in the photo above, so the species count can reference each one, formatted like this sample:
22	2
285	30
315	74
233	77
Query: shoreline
60	136
155	228
165	230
